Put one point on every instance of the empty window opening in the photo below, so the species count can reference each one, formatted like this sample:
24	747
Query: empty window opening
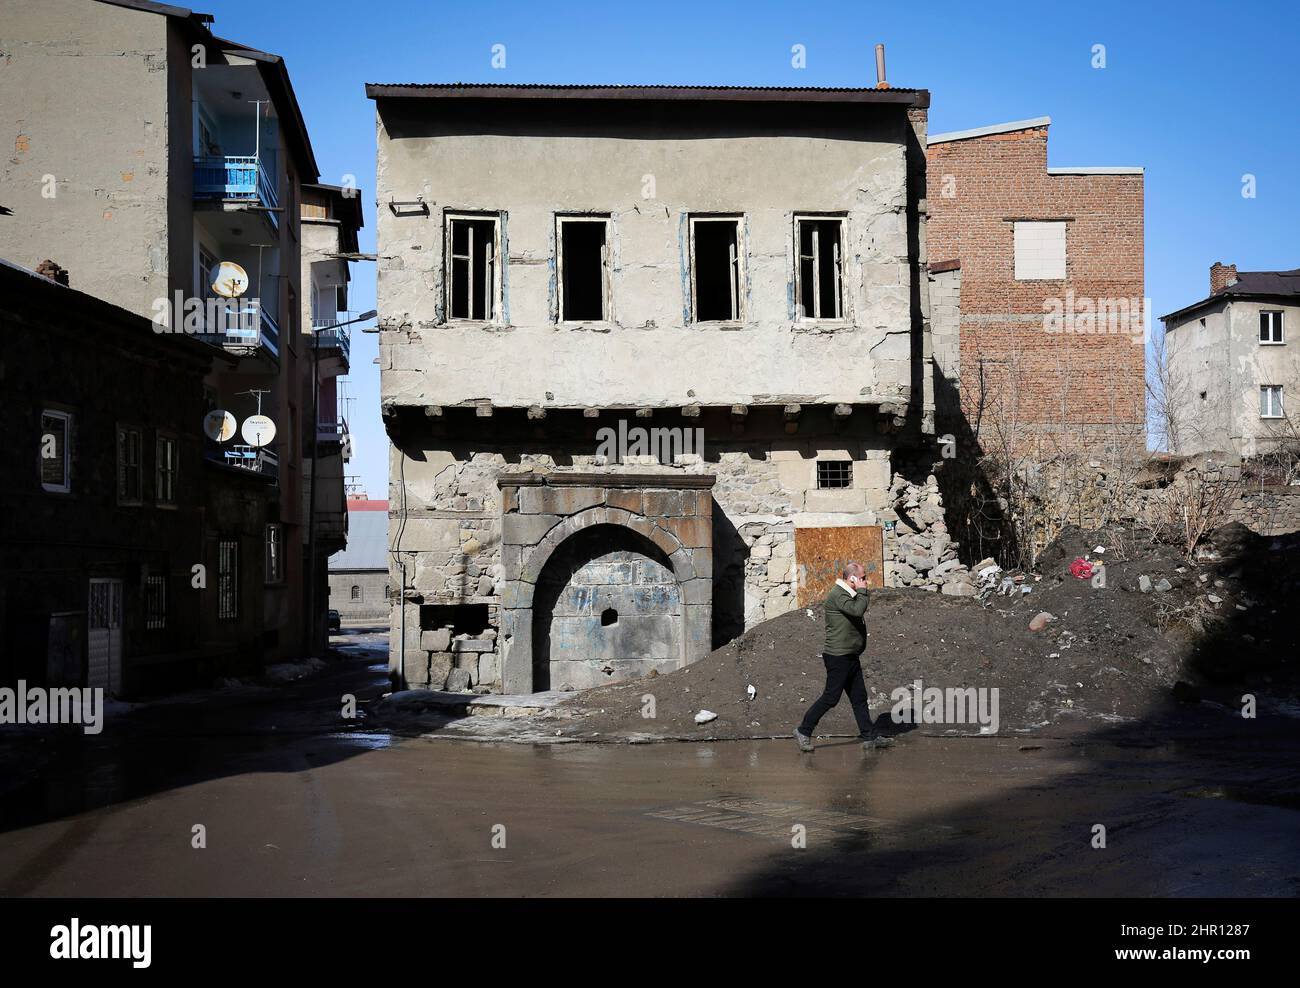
715	269
834	474
472	268
462	619
1270	327
584	269
818	287
608	616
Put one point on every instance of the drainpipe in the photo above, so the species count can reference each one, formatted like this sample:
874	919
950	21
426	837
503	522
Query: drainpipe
880	68
401	648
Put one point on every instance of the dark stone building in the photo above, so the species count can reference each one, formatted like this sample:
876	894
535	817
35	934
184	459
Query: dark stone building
114	500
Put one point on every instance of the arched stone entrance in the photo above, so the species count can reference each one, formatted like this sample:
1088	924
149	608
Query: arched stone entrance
574	546
607	608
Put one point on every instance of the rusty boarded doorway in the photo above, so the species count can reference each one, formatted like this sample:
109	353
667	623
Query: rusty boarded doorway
820	555
608	608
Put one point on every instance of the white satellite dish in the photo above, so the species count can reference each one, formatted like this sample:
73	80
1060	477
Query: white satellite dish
258	430
230	280
219	425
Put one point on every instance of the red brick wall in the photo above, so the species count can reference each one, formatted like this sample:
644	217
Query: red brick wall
1022	383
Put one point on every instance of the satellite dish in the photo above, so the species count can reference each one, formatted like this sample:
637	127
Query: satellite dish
219	425
230	280
258	430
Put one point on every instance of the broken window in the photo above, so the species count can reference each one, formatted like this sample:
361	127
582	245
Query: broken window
819	292
584	268
472	275
834	474
715	269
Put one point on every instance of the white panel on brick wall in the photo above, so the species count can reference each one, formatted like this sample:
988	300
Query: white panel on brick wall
1040	250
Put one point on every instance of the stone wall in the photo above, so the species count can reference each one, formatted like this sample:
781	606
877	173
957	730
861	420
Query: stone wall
448	510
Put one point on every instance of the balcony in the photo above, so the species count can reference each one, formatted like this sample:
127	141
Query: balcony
242	326
330	337
332	432
237	179
263	461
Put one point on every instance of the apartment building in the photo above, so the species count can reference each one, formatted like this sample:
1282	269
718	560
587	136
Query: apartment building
649	358
1043	267
184	208
1231	366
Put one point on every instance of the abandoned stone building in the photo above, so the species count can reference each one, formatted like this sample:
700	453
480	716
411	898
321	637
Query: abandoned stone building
651	360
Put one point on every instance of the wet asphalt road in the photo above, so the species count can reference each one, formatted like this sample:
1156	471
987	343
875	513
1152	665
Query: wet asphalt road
296	802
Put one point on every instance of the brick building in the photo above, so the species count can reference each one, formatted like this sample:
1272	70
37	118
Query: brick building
1050	264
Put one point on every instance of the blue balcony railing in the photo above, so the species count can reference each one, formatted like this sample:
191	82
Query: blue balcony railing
262	461
236	178
327	337
243	325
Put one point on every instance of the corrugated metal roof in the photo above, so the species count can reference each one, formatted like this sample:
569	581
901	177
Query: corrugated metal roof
651	91
367	546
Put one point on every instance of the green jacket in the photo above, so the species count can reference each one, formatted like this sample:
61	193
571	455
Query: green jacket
846	631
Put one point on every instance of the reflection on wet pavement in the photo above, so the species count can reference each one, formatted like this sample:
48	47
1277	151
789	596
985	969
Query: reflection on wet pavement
295	801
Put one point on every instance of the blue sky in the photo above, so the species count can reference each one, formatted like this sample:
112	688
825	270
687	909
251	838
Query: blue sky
1200	94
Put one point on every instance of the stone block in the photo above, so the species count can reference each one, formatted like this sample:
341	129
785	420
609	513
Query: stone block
473	645
440	665
526	530
415	673
699	631
436	641
697	591
458	681
778	570
484	588
691	531
489	669
559	500
664	504
702	560
516	650
844	500
628	500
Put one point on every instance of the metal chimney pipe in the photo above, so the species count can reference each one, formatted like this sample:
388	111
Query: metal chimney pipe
880	68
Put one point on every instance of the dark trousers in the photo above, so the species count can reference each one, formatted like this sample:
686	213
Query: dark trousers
843	675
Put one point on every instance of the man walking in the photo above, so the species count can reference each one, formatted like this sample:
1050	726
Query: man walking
846	638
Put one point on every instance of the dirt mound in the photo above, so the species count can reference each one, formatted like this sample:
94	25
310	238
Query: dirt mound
1114	648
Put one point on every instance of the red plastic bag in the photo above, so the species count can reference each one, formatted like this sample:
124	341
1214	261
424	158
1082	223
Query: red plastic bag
1081	568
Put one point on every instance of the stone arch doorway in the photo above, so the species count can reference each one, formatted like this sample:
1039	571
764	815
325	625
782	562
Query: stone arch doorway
608	607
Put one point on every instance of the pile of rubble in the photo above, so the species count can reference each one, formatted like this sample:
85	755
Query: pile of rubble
918	549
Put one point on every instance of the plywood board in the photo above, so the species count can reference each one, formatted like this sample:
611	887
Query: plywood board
820	555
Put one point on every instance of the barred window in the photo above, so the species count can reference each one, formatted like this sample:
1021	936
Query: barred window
834	474
227	580
155	602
